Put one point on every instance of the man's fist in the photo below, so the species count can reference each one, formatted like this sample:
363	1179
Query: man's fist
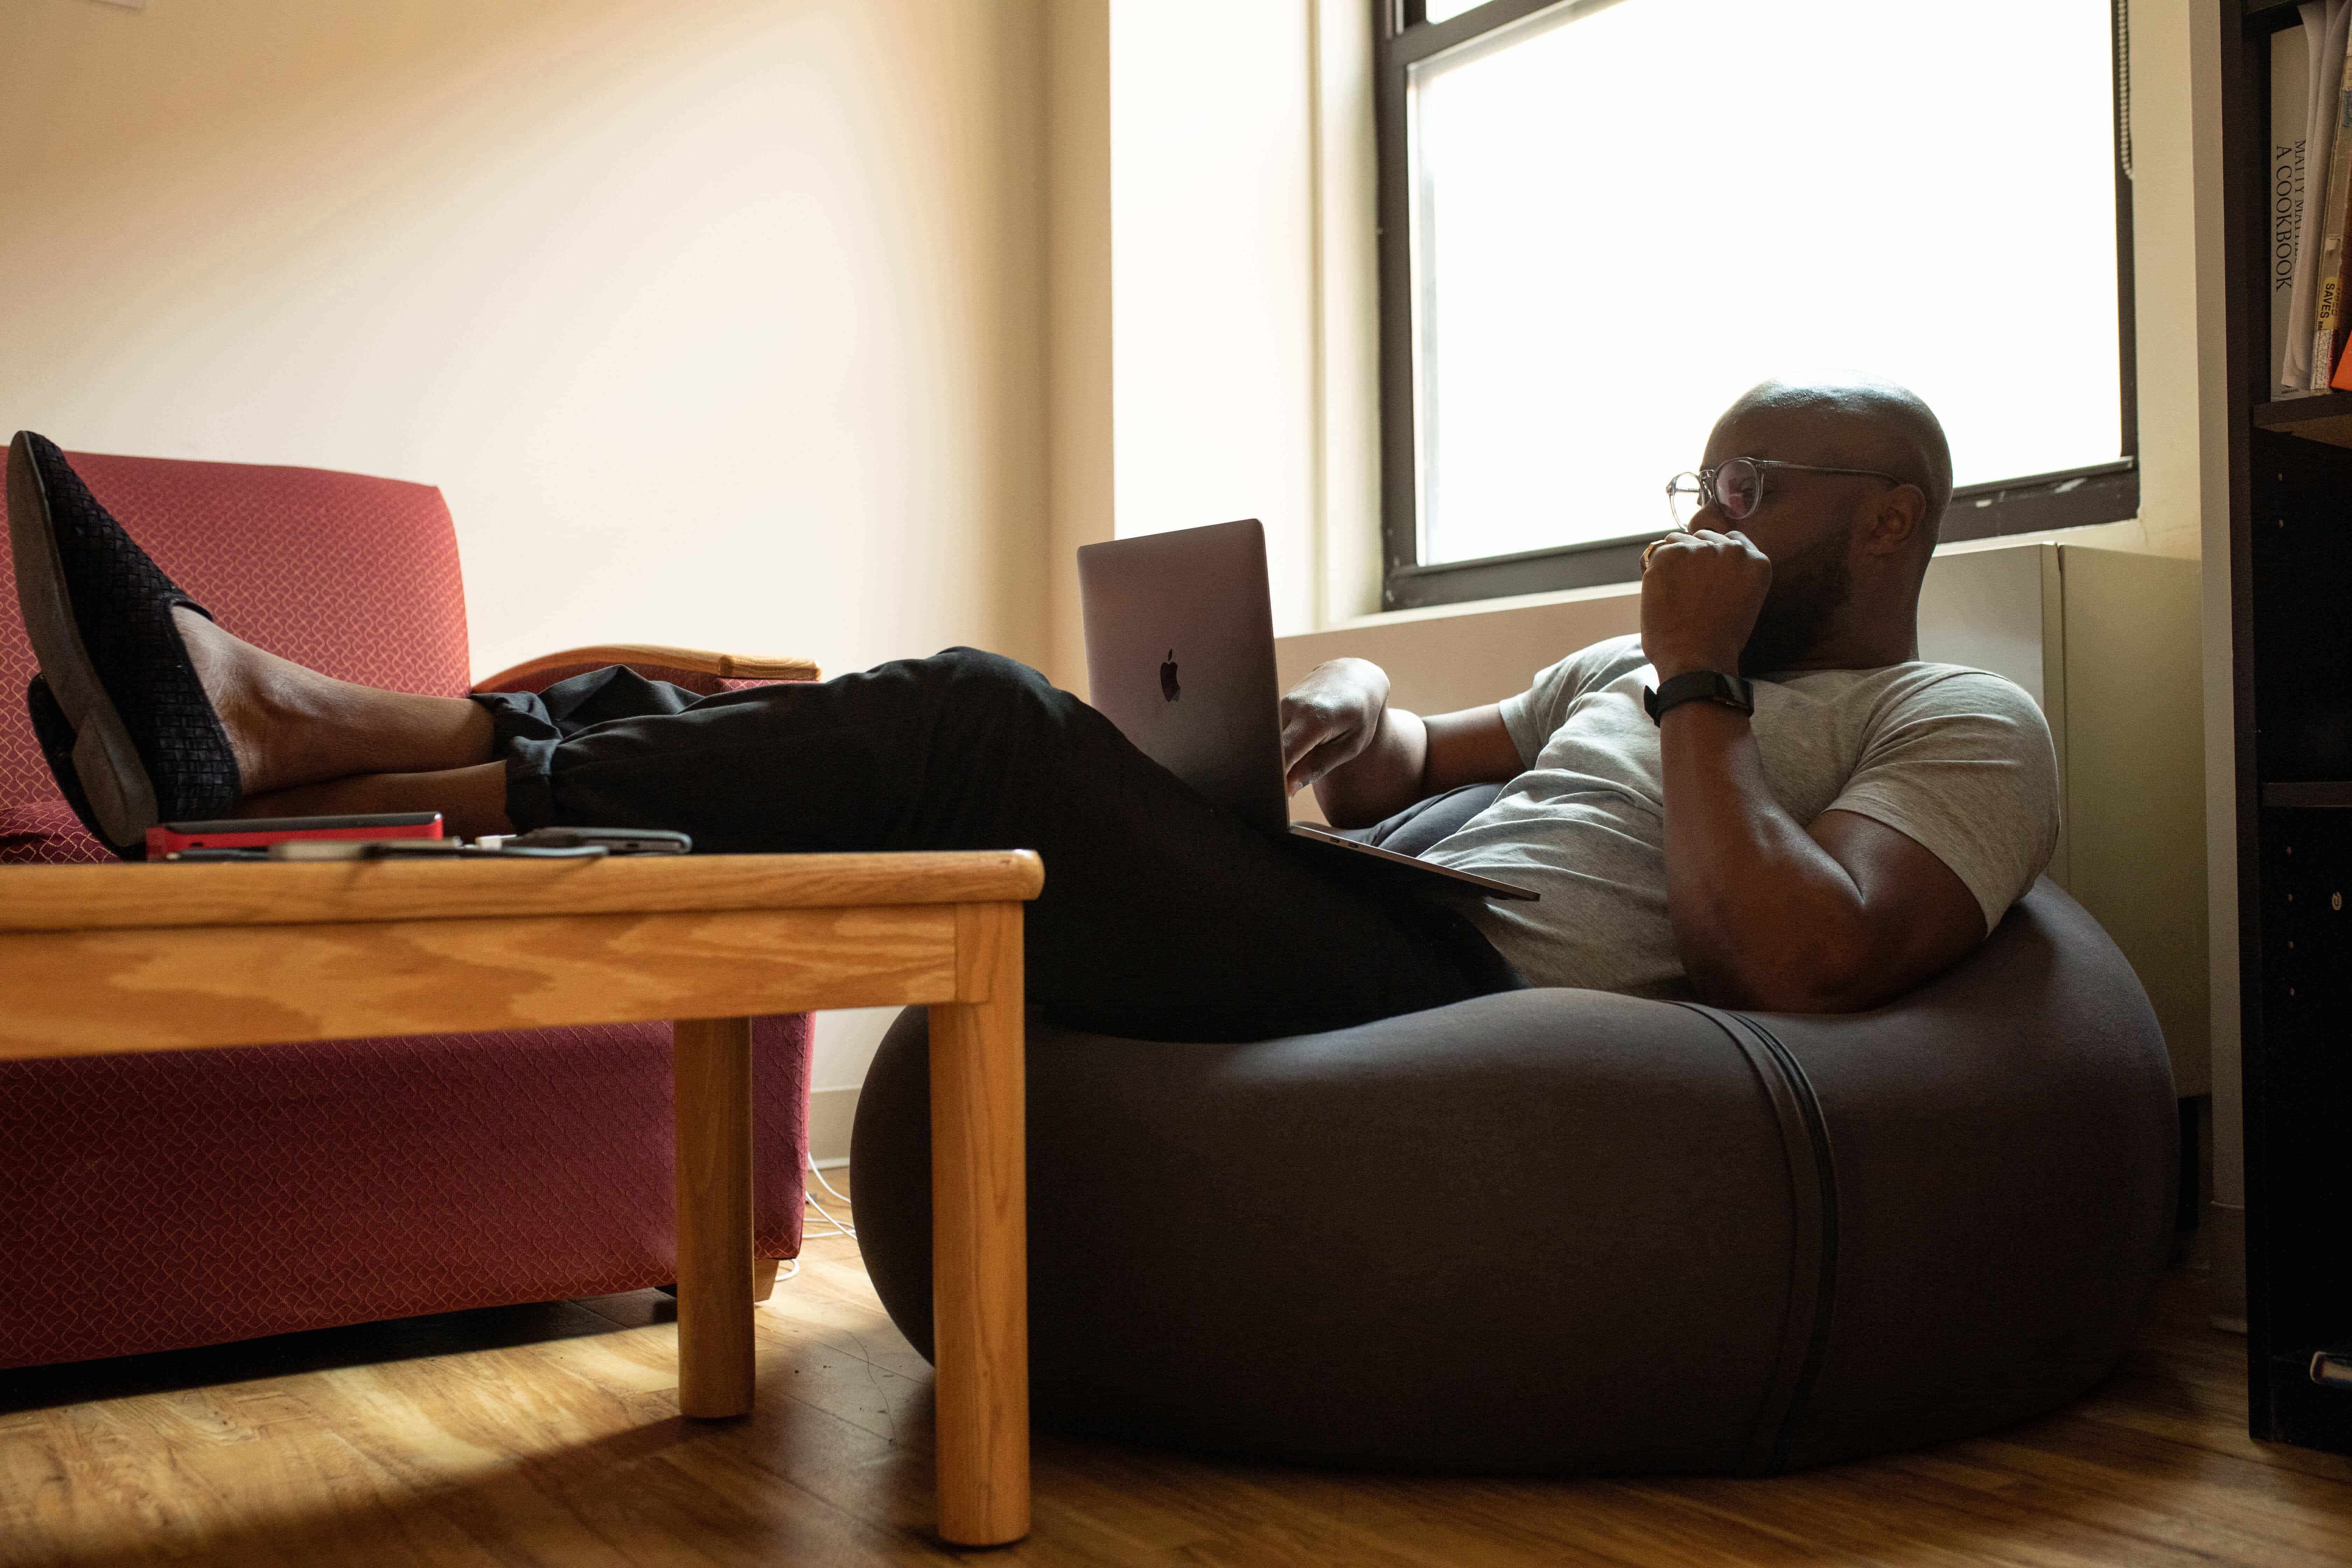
1329	718
1701	592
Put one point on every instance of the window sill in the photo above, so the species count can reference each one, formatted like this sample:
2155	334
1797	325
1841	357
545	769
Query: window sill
2043	503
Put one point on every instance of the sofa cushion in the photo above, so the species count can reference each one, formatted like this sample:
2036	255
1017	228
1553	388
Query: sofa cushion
164	1199
46	833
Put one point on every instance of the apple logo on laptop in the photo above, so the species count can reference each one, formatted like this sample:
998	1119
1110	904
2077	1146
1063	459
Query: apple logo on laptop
1168	689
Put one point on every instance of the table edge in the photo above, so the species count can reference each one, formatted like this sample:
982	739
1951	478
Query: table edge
140	897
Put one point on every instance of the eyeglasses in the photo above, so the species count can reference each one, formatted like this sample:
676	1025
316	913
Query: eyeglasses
1737	488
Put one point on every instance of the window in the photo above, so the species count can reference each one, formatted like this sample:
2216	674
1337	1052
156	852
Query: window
1602	220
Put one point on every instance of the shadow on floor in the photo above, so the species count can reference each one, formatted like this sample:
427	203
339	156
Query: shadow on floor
321	1350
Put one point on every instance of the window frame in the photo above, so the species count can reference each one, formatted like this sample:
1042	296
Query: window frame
2101	492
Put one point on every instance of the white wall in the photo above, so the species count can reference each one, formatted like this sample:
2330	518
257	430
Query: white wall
1213	259
1081	485
718	324
2176	263
1245	323
2227	1221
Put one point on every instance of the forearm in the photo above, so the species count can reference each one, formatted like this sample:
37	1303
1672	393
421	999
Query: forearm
1382	780
1763	915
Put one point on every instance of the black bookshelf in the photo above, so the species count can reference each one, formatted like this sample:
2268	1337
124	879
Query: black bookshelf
2291	591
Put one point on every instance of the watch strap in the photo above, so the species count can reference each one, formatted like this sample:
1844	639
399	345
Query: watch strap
1698	686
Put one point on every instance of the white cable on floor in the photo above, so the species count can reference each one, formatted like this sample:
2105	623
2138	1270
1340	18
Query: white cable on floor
809	1198
828	1186
838	1228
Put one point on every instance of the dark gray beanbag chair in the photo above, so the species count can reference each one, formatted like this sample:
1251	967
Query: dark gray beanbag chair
1558	1231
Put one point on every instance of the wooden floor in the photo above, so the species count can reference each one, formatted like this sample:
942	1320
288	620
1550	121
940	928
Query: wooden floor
550	1434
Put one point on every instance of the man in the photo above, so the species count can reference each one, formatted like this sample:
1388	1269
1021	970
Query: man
1862	831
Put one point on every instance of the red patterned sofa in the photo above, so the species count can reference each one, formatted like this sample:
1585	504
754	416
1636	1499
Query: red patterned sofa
154	1202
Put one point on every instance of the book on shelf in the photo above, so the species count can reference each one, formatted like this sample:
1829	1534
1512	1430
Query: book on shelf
2325	27
2329	279
2291	55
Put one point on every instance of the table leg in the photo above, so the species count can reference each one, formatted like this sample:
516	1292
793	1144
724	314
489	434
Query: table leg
712	1064
980	1249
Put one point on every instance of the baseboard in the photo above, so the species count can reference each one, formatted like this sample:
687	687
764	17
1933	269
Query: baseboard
832	1113
2227	1224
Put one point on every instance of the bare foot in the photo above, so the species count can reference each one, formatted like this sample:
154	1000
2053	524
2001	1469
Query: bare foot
472	801
289	726
231	671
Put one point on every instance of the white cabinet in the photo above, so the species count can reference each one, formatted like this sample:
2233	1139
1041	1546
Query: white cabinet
2106	641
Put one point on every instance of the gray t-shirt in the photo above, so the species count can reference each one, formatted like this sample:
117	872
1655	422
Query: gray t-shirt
1958	758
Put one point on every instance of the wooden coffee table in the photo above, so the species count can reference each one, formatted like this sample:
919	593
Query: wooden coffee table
96	960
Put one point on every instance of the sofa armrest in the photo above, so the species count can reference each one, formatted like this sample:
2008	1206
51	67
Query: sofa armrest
699	670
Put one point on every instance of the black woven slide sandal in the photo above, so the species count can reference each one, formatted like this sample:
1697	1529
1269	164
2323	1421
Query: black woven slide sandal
56	739
126	726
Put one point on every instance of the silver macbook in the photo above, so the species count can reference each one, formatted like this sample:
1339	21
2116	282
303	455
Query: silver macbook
1179	652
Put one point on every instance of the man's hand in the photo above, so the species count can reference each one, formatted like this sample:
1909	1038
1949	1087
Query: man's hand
1329	718
1369	761
1701	592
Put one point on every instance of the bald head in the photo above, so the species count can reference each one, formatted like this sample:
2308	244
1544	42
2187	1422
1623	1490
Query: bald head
1849	551
1856	422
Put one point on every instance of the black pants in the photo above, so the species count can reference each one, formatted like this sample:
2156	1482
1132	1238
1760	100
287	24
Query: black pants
1164	917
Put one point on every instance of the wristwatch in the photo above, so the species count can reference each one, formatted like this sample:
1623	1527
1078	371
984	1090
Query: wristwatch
1697	686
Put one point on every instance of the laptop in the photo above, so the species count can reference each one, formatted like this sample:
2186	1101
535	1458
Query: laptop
1179	652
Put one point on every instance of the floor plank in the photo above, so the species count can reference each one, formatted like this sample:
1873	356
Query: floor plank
550	1435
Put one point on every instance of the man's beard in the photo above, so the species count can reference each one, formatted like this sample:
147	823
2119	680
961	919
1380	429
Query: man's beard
1808	589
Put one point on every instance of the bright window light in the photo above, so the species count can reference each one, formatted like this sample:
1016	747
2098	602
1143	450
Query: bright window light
1628	211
